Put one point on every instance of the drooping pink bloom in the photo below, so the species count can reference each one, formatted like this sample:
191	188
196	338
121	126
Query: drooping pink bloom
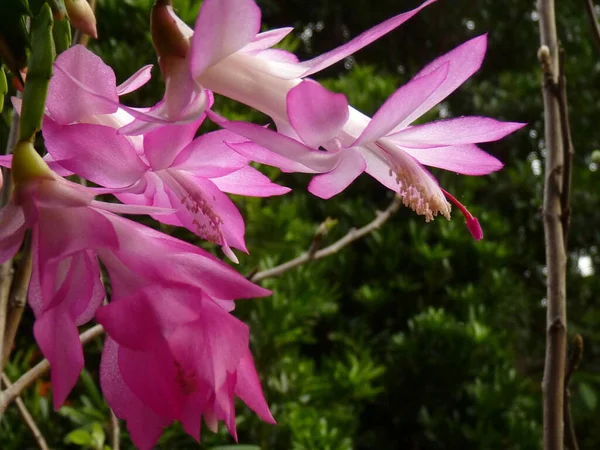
184	359
229	56
166	167
70	231
387	147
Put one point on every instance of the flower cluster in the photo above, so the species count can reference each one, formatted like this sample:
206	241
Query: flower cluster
184	356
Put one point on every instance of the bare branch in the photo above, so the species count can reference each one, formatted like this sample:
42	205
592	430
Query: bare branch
10	394
589	7
556	259
17	300
37	434
574	361
353	235
115	431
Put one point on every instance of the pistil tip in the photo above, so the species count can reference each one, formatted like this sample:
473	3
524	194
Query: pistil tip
474	228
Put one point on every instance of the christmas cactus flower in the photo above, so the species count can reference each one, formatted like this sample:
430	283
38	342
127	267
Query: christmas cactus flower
166	167
226	54
387	146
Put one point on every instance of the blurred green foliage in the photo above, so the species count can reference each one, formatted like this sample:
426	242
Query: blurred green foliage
417	336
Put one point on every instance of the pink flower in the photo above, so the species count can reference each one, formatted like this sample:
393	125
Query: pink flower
70	230
183	359
229	56
166	167
387	147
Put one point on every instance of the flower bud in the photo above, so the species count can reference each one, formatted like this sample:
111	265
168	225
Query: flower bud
82	17
170	35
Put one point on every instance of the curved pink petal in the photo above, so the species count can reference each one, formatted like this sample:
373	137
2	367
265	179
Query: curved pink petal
464	61
92	280
380	169
155	256
209	155
332	183
277	55
316	114
249	390
56	334
95	152
249	182
82	85
12	230
466	159
252	152
325	60
462	130
402	104
223	27
162	146
143	424
267	39
135	81
291	149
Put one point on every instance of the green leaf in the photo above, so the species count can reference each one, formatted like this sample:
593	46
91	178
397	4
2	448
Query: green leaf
3	88
62	35
78	437
588	395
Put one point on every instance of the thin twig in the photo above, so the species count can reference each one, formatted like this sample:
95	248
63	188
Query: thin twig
17	300
10	394
574	361
6	268
37	434
556	259
352	236
115	431
589	7
568	149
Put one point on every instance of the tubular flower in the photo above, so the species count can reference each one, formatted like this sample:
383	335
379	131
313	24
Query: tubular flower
70	232
387	147
228	55
166	167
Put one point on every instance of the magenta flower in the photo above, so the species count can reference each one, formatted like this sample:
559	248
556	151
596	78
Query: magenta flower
166	167
70	230
229	56
387	147
184	359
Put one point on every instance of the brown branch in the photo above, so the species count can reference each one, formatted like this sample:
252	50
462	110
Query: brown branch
353	235
6	268
574	361
37	434
17	300
10	394
115	431
556	314
589	8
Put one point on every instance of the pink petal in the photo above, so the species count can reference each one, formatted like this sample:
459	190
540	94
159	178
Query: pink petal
12	230
162	146
332	183
325	60
291	149
143	424
402	104
82	85
223	27
462	130
466	159
95	152
209	155
248	388
277	55
252	152
56	334
135	81
268	39
316	114
249	182
92	280
464	61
